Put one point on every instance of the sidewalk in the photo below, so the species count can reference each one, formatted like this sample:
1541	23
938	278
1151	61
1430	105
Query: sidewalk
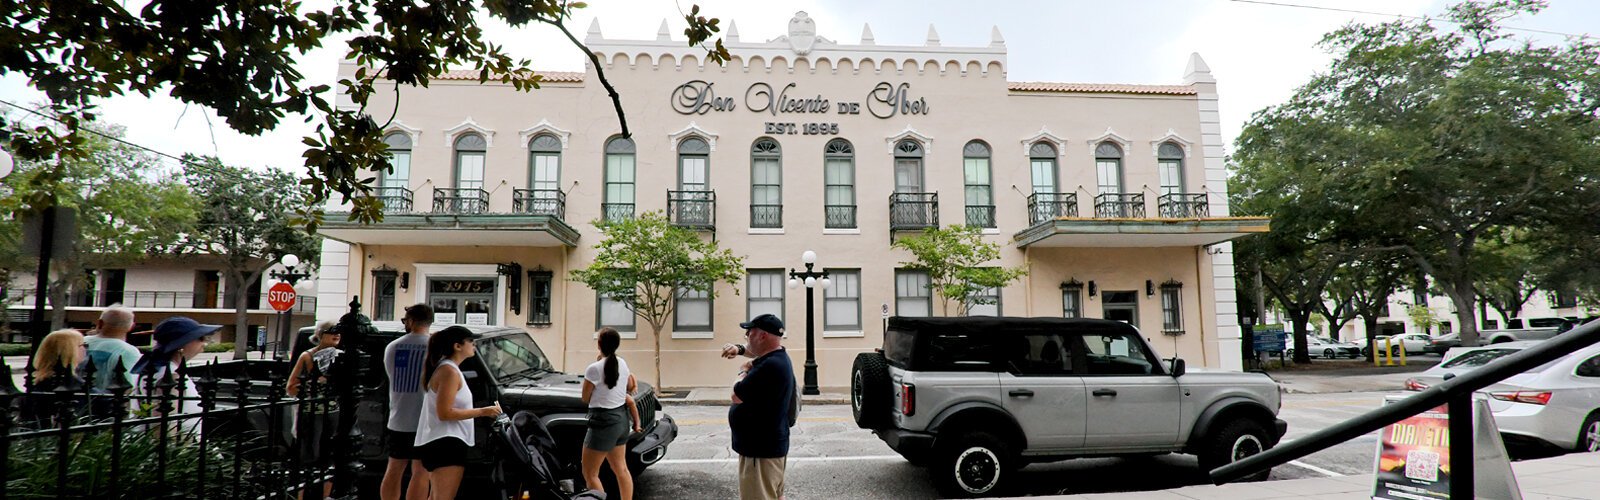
1565	477
720	396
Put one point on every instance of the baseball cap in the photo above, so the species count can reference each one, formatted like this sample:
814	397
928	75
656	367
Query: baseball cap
766	322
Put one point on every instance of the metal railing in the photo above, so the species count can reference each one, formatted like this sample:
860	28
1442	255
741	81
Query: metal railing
159	300
913	210
696	209
1119	205
1048	206
766	216
1454	392
1182	205
196	432
460	200
551	202
980	215
395	199
616	211
839	216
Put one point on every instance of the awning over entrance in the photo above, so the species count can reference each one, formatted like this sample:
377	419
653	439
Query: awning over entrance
1086	232
454	230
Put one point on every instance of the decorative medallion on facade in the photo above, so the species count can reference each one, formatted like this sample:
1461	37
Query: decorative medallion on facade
802	33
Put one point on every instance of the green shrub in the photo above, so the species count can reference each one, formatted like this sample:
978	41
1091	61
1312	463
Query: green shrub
220	347
15	350
31	469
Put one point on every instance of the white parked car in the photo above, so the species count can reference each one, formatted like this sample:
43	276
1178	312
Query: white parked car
1323	347
1553	405
1413	343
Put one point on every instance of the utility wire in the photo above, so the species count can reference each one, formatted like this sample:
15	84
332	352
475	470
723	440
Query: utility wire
1403	16
180	160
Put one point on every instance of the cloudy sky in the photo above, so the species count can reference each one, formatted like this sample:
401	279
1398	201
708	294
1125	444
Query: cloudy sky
1259	52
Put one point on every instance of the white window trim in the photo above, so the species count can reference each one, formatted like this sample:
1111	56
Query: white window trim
909	133
1045	136
841	231
1172	137
842	334
467	271
991	230
467	125
544	127
415	133
765	230
692	335
693	130
1114	137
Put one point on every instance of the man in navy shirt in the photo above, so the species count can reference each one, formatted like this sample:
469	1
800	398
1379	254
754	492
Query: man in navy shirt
763	400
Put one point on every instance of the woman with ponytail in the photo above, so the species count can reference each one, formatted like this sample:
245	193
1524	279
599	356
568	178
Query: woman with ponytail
608	386
444	426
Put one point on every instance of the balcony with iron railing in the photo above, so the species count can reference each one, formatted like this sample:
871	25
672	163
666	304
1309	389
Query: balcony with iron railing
616	211
1049	206
551	202
839	216
460	201
1182	206
394	199
766	216
1119	206
913	211
151	299
980	216
693	209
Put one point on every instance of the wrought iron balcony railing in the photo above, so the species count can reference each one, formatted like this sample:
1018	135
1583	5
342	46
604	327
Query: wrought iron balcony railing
1048	206
766	216
980	215
1182	206
839	216
913	210
551	202
1119	206
460	200
616	211
395	199
696	209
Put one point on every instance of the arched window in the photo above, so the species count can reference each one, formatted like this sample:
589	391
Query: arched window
1042	164
1108	167
1169	164
766	184
544	163
839	184
908	167
618	202
400	159
979	184
470	151
694	165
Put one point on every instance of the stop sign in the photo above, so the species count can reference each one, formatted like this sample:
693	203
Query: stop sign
281	296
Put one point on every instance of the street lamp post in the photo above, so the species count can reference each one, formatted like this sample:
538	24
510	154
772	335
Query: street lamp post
812	279
289	275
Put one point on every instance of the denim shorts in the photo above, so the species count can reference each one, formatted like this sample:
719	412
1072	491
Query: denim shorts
608	428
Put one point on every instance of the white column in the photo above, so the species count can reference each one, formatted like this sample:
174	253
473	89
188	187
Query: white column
1227	339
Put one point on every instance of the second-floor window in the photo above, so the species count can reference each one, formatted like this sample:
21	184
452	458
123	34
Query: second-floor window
694	165
618	202
470	152
979	186
400	159
1108	167
1169	164
544	163
766	184
908	167
1042	166
839	184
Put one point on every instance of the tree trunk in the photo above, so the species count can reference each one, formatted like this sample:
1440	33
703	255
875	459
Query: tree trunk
655	336
58	304
241	318
1301	320
1465	299
1371	323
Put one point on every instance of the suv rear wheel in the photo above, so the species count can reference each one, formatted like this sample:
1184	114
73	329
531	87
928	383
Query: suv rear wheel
1233	442
871	395
975	465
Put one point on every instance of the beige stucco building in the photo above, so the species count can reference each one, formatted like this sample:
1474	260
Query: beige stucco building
1113	196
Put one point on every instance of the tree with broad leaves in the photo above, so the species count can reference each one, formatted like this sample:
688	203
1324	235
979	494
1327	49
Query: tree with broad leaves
246	218
1369	281
954	258
647	263
1447	136
1506	270
238	58
124	206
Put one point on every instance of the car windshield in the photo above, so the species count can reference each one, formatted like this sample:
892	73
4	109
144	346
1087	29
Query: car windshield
1478	358
511	355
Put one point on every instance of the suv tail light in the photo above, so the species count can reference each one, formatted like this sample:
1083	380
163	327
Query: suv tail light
908	399
1533	398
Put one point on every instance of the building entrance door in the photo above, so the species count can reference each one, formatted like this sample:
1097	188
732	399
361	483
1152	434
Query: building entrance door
1122	306
467	301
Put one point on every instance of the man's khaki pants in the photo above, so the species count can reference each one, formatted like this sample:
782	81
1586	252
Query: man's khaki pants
761	478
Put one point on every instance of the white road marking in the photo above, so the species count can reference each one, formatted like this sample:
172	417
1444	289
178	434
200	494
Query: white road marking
1315	469
690	461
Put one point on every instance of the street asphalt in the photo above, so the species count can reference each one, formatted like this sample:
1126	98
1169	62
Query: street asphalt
831	458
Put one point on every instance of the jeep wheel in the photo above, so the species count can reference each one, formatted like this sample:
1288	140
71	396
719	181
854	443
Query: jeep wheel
1234	442
871	395
974	466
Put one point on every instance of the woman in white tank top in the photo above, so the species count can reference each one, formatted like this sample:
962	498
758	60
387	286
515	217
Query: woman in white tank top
613	415
444	428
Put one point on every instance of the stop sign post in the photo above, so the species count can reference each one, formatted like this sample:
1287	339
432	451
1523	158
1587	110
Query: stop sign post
281	297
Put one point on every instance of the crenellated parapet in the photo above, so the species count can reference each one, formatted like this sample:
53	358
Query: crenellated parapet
802	50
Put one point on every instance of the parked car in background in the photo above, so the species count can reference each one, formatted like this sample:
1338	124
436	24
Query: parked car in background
1555	406
1441	344
1410	343
1526	329
1329	348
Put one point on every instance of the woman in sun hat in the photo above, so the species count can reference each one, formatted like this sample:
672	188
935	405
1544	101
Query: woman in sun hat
178	339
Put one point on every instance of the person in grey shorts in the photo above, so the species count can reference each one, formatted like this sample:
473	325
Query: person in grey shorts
608	386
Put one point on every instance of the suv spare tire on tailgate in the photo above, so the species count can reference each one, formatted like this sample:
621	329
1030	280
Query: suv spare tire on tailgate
870	391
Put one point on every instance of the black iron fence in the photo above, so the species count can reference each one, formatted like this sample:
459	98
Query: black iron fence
839	216
913	210
1048	206
221	430
1182	205
695	209
1119	205
980	215
395	199
766	216
158	300
551	202
460	201
616	211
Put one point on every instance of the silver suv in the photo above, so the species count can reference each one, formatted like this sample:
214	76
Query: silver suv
975	399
